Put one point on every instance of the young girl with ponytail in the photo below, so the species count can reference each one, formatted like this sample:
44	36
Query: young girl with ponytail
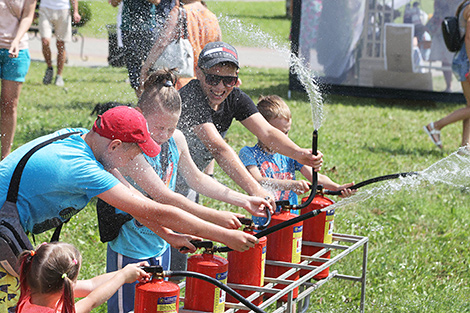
48	280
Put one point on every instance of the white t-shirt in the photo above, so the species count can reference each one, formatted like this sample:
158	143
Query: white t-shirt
55	4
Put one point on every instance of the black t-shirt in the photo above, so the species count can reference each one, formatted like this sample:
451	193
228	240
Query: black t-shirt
196	111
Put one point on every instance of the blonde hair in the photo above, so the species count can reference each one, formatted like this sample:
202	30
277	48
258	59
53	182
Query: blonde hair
272	107
160	93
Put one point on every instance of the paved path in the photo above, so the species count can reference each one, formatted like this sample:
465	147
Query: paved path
95	53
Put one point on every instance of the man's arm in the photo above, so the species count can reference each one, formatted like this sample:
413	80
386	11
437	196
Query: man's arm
76	16
229	161
280	142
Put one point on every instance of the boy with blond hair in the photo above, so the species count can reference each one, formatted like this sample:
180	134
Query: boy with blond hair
275	171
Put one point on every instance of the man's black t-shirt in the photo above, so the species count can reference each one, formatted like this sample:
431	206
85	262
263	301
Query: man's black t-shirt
196	111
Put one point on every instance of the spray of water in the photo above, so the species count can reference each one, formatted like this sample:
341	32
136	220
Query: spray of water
258	38
453	170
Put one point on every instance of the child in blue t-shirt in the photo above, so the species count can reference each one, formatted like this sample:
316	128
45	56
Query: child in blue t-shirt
275	171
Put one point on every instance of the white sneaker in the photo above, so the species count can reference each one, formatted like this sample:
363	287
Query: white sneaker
59	81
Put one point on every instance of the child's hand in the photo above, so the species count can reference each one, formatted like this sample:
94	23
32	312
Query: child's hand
300	186
257	206
239	241
346	191
228	219
133	272
179	241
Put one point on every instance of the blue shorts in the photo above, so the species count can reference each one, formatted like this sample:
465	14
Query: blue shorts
460	64
14	69
123	300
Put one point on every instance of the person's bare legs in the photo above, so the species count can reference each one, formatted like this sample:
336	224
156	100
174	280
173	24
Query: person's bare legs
61	56
9	102
462	114
46	51
447	76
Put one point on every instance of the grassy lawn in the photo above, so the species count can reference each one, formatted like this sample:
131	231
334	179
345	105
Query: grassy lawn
418	255
270	17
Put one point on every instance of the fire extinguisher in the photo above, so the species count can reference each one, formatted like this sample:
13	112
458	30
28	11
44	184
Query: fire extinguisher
318	229
157	295
247	268
201	295
284	245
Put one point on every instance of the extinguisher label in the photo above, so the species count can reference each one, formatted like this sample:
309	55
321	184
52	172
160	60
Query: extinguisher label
166	304
329	226
219	294
297	244
263	263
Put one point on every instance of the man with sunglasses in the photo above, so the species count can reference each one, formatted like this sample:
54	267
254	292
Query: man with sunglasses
209	105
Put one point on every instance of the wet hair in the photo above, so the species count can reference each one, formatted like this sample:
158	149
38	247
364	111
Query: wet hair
272	107
160	92
53	267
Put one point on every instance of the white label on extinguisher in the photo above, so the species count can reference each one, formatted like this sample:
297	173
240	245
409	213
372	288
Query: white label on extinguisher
263	262
297	244
166	304
219	294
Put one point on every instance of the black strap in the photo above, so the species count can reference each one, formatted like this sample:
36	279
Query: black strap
56	234
15	179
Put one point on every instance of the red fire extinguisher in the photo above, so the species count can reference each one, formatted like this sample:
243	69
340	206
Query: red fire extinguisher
201	295
284	245
318	229
157	296
247	268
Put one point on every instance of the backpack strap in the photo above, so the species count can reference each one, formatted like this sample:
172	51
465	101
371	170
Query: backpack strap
12	195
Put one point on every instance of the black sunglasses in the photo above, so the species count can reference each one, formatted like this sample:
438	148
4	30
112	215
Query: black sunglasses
214	80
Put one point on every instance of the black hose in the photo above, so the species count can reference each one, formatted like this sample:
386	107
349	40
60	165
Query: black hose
314	175
214	281
373	180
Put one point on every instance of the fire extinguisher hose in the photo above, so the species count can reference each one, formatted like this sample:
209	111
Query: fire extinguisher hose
373	180
214	281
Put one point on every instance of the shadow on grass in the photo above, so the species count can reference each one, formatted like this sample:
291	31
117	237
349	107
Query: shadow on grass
265	17
406	151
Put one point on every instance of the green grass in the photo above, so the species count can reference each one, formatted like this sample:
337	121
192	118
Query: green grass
418	255
270	17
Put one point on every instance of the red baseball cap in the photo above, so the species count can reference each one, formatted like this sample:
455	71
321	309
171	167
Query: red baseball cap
128	125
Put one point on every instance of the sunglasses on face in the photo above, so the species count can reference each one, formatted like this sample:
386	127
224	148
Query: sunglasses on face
214	80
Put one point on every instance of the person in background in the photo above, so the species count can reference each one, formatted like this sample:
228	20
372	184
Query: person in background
15	19
48	281
140	25
203	27
275	171
460	67
209	105
55	16
439	52
156	177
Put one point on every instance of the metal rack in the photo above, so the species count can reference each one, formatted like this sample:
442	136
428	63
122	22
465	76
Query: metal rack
344	244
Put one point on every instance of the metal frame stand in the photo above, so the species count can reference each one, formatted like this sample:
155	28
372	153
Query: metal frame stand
345	244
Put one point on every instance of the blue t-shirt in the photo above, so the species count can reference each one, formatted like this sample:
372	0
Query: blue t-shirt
275	166
57	182
134	239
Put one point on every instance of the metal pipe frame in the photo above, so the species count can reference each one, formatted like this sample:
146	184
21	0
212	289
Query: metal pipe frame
356	241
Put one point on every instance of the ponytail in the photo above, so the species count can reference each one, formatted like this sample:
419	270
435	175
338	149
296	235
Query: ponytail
51	268
67	299
160	92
